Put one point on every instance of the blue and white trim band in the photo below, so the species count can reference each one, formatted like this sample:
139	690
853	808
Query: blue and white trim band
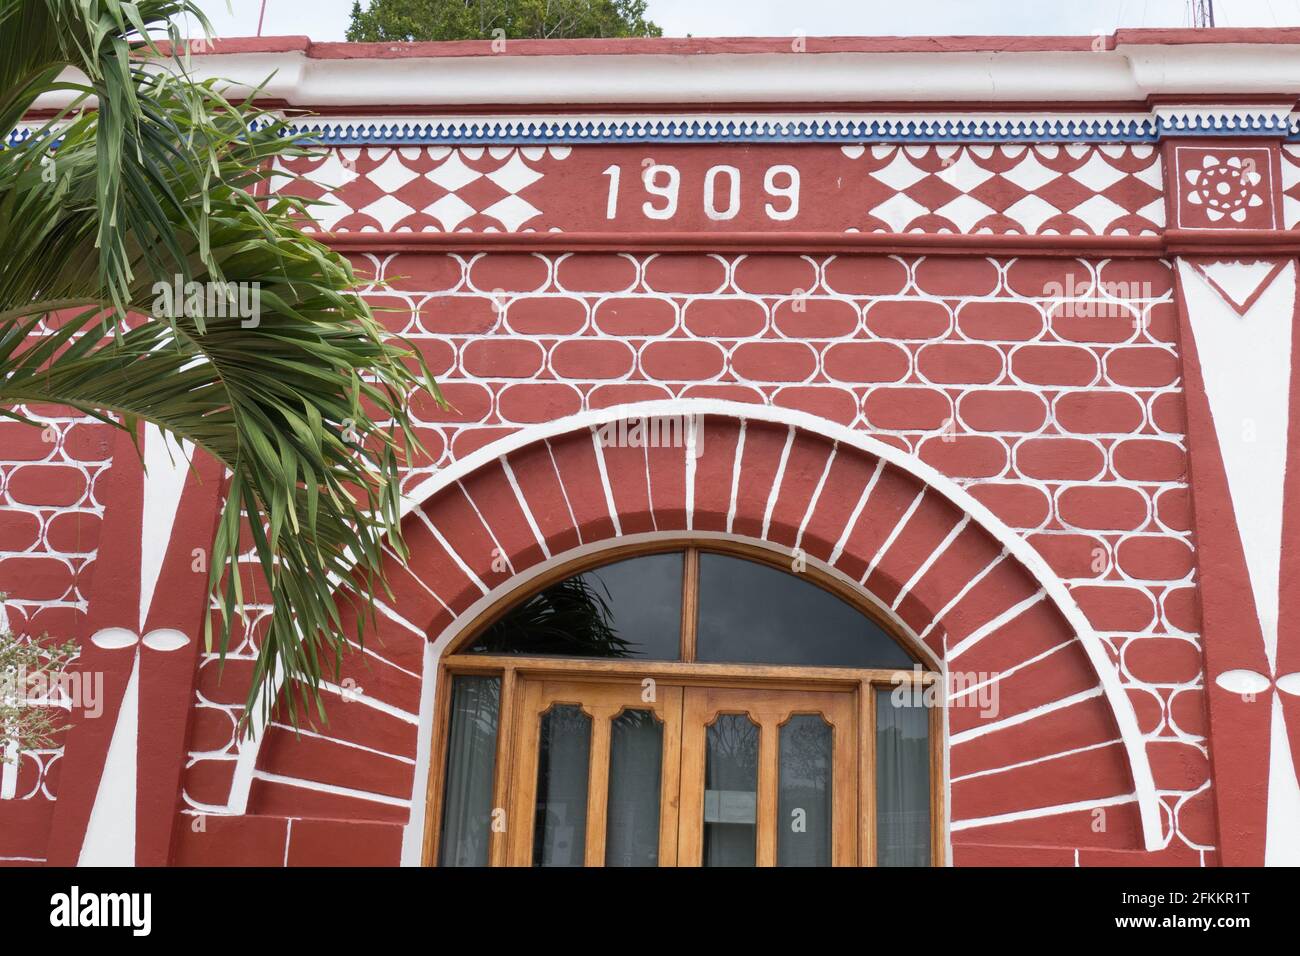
573	129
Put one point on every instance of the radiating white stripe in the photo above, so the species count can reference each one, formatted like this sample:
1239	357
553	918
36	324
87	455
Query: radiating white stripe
1039	812
487	527
455	557
776	482
816	495
1024	718
893	534
1029	763
523	506
857	513
930	559
604	483
966	589
735	475
331	788
1010	614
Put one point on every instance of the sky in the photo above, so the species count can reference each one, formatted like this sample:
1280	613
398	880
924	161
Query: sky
328	19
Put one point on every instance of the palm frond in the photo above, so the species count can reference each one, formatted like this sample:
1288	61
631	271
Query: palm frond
165	185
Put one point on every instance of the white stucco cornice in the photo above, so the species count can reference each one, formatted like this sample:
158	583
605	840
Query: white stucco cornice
1136	66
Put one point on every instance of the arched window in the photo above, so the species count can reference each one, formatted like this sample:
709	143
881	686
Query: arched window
694	704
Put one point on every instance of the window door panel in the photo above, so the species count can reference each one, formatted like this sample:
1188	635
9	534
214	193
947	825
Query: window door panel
732	759
620	722
697	776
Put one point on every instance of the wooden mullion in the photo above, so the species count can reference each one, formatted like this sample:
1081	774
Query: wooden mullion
690	602
437	769
867	773
499	851
938	843
768	780
597	787
523	790
670	801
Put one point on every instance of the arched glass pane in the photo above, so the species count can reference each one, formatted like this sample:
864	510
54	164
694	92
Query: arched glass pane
804	793
563	759
902	780
752	613
628	609
636	750
731	792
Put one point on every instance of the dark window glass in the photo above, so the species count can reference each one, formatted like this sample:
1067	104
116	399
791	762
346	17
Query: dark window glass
471	760
636	753
804	792
753	613
902	780
731	792
563	756
630	608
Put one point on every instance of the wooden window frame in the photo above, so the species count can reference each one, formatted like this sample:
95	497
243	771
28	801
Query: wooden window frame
511	669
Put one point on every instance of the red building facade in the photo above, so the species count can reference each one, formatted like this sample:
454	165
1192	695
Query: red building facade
996	334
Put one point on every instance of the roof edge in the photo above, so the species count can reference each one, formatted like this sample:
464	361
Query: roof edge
705	46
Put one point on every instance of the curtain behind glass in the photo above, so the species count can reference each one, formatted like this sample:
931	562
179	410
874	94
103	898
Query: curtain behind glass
902	782
471	765
731	792
636	748
804	792
563	761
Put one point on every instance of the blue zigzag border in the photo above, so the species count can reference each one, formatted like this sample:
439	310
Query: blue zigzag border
915	129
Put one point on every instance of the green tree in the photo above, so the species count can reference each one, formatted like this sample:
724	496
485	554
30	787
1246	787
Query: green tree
306	404
30	672
399	20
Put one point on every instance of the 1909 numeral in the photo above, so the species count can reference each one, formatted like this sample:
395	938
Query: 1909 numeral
720	197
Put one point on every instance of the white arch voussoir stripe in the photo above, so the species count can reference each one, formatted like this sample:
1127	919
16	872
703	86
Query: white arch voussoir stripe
1039	812
1015	545
604	483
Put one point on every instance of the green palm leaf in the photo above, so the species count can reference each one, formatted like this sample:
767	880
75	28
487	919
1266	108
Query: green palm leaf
167	181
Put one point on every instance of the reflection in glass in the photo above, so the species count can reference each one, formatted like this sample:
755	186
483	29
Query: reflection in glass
636	746
471	762
902	781
563	755
630	608
804	793
753	613
731	792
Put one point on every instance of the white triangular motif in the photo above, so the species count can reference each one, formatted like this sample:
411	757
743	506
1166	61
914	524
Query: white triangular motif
1247	371
166	467
1238	280
110	833
1282	839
